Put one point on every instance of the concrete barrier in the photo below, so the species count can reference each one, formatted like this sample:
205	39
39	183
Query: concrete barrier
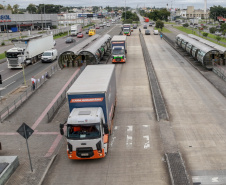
13	163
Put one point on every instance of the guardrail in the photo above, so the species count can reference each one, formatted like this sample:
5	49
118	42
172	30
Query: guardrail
62	97
220	71
26	94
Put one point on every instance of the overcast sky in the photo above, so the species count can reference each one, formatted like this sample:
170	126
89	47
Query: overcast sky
132	3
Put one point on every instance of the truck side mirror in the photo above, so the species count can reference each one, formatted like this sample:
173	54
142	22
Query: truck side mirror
62	129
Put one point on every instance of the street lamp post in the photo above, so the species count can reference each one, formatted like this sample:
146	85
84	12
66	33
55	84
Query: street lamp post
125	10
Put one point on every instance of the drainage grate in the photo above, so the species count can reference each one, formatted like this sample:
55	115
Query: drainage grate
177	169
3	166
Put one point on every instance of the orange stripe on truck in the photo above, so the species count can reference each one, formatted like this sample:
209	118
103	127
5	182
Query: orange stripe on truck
122	60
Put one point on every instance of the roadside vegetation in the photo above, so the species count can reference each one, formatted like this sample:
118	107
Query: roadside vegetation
164	30
2	56
59	35
130	17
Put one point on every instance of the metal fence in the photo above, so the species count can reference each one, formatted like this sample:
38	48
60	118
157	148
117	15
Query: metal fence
26	94
220	71
62	97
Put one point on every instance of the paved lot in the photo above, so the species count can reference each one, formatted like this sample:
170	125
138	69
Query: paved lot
135	155
197	111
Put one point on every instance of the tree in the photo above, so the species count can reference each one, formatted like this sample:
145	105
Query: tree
1	6
205	34
223	27
31	8
212	30
9	7
95	8
15	9
159	24
218	38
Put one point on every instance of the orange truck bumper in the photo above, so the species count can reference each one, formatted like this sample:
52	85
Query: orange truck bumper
122	60
96	155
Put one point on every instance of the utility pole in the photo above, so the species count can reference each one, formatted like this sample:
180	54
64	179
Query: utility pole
125	10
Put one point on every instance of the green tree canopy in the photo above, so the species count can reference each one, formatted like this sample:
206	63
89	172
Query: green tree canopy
31	8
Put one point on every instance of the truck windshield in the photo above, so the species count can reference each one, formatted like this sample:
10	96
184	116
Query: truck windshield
118	52
80	132
12	55
126	29
47	54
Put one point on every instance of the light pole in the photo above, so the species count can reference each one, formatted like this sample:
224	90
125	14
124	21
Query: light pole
125	10
44	15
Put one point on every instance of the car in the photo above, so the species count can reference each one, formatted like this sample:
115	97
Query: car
79	35
218	33
147	32
156	32
104	23
101	25
108	25
151	23
145	26
97	27
134	26
69	40
87	31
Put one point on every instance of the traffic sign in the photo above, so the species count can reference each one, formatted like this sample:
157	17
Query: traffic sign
25	131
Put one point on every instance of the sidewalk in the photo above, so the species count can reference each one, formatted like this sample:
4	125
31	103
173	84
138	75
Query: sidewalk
45	139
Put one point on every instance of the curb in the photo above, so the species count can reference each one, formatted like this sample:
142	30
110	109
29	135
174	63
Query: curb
47	169
2	60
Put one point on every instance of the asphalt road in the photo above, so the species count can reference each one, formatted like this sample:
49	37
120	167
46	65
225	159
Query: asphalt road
13	78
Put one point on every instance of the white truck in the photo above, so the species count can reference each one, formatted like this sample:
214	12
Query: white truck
28	50
75	29
119	48
92	100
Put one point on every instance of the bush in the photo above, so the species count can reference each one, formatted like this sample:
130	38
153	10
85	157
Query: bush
205	34
3	44
54	27
212	30
218	38
185	25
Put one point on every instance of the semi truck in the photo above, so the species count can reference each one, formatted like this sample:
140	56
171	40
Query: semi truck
28	50
75	29
127	29
119	48
92	100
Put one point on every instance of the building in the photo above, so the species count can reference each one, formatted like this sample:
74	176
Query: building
191	13
21	22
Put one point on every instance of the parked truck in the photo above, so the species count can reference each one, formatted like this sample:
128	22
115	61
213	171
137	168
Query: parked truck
127	29
119	48
75	29
28	50
92	100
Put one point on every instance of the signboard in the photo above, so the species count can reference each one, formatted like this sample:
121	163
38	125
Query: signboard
5	18
25	128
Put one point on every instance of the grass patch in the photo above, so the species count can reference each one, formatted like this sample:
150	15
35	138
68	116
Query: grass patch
88	25
164	30
2	55
170	23
59	35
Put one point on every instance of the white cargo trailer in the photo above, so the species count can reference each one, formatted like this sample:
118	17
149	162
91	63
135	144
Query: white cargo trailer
75	29
28	50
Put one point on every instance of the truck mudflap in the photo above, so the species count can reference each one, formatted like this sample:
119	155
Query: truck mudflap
118	60
128	34
85	154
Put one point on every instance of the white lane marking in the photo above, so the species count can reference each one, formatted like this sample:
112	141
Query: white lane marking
12	76
215	179
146	143
10	84
116	127
129	138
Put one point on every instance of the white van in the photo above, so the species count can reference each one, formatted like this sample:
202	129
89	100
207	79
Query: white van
49	56
108	25
156	32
